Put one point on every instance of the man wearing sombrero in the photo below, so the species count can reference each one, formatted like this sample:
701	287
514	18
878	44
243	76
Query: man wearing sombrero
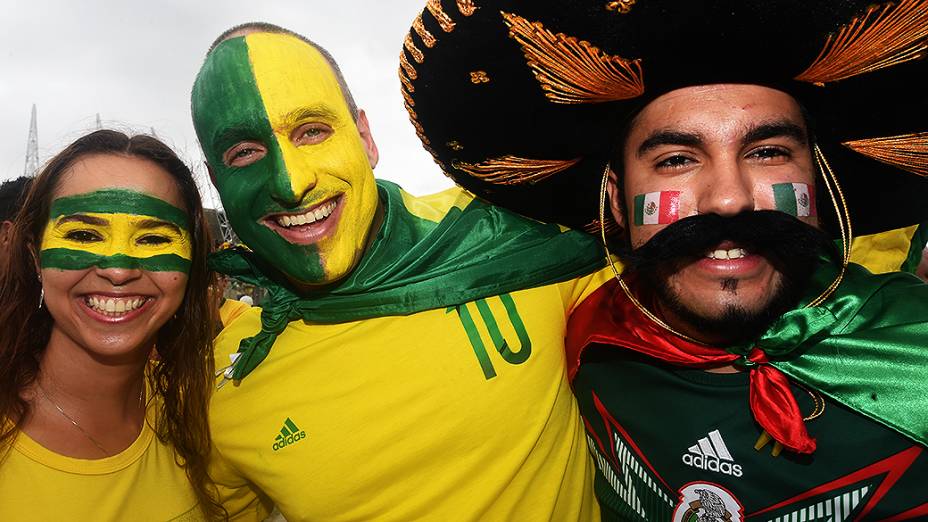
740	367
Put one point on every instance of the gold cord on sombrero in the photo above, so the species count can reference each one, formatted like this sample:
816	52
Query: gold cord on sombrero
573	71
886	35
513	170
908	152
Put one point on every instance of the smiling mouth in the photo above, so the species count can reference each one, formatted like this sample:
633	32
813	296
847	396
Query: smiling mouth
307	217
115	306
731	253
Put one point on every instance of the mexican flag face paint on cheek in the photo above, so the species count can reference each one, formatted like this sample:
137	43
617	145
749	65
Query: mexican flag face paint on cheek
795	199
116	229
657	208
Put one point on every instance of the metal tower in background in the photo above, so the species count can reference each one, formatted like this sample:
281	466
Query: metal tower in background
32	148
211	199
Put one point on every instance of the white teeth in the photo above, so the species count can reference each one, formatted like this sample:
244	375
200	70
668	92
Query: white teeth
310	216
114	306
734	253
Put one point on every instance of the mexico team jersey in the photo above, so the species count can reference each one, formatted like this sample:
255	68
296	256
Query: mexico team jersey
661	458
459	413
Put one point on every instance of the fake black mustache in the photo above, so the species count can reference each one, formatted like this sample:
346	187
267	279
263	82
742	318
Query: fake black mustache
781	238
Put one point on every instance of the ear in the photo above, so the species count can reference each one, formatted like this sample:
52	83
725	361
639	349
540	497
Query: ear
364	128
5	228
614	195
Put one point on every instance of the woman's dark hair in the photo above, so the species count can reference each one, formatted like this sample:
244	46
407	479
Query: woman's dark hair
183	376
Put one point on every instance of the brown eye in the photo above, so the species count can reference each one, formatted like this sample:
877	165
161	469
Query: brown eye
83	236
244	154
674	162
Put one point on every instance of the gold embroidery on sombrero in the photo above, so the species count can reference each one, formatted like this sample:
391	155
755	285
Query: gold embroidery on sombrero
886	35
467	7
407	83
415	122
478	77
513	170
406	66
574	71
908	151
410	103
423	33
436	158
434	7
596	226
413	50
621	7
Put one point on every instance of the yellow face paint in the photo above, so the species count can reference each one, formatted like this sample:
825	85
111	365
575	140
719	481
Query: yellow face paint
97	229
301	94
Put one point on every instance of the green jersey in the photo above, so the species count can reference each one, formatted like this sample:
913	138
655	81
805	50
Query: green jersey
674	443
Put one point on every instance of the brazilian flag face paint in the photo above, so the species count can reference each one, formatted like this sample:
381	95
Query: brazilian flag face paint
306	203
116	229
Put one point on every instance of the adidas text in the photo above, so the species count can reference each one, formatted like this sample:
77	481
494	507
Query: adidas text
712	464
711	453
289	440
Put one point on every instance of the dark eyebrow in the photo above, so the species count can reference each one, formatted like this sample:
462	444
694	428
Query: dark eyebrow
232	135
318	112
669	137
775	129
146	224
80	218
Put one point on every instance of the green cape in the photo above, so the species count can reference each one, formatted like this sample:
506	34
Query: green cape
416	264
865	347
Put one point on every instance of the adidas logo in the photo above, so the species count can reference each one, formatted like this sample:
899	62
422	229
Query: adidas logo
712	454
289	434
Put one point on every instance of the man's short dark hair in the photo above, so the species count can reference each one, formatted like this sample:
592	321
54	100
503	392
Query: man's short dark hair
11	196
264	27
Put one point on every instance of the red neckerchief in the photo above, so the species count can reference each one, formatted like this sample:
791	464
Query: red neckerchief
608	317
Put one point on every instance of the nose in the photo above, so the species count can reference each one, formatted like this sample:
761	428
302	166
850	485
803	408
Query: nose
293	178
725	190
119	276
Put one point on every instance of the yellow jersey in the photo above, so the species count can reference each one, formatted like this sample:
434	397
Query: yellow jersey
141	483
460	413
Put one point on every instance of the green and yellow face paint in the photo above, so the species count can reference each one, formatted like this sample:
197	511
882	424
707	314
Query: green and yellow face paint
305	208
116	228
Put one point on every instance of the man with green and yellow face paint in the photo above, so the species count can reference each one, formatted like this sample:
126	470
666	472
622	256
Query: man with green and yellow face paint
408	363
287	155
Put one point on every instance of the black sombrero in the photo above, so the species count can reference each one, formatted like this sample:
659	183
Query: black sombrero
521	101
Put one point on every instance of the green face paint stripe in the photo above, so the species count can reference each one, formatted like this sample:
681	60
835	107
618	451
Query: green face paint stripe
119	202
65	259
784	196
227	108
639	210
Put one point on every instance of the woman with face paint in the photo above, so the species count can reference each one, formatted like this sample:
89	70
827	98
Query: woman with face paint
106	262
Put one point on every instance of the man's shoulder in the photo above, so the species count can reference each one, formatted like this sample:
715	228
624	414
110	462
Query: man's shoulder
244	323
